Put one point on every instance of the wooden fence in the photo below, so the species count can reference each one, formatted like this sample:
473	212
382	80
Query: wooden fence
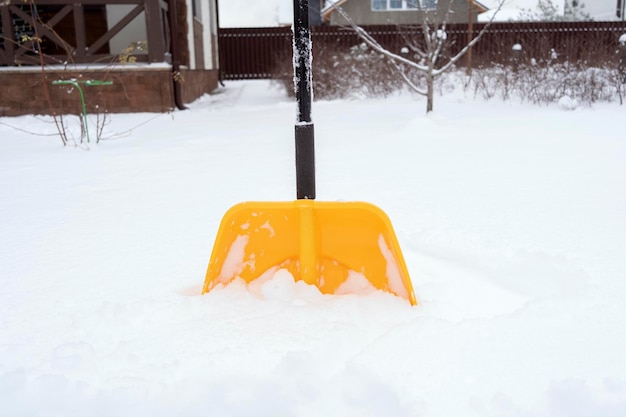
255	53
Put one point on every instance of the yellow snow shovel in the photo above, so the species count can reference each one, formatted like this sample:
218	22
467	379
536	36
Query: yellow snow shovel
340	247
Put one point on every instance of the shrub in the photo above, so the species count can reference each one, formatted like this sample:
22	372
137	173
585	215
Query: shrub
360	72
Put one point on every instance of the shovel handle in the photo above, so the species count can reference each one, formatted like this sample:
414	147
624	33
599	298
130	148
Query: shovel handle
305	162
304	132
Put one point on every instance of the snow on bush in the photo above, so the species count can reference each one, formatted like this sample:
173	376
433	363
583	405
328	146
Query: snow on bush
568	103
362	72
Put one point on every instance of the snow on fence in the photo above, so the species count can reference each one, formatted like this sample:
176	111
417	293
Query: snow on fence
254	53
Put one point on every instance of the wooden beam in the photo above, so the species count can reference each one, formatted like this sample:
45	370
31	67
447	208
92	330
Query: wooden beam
154	27
7	55
80	30
59	15
115	30
64	2
42	30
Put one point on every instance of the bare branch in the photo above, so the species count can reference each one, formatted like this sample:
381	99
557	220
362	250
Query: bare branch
426	30
373	43
473	42
407	80
434	37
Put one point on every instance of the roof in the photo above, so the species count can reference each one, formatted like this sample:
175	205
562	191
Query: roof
328	9
599	10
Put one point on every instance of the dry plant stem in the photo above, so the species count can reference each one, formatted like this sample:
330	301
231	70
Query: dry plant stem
60	129
101	121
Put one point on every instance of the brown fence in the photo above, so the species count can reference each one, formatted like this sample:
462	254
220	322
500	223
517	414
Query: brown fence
254	53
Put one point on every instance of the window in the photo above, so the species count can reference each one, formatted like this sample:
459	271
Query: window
379	4
196	9
384	5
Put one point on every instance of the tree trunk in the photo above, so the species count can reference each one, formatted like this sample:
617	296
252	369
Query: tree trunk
430	87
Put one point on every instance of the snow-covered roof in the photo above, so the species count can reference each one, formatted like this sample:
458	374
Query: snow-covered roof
328	6
600	10
515	4
502	15
254	13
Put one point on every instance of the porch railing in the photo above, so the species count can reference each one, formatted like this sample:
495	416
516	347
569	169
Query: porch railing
62	31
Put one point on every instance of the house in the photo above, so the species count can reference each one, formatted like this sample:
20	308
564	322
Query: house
157	54
401	12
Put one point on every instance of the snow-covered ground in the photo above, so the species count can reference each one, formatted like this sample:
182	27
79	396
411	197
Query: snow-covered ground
512	220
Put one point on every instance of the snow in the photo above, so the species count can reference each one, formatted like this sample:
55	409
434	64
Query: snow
515	4
513	10
511	218
234	262
139	66
568	103
503	15
396	285
601	10
253	13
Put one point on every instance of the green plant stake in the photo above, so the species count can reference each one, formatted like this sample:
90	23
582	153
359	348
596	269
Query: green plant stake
76	83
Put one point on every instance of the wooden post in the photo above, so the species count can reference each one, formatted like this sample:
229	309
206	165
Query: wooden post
154	27
7	29
470	28
80	30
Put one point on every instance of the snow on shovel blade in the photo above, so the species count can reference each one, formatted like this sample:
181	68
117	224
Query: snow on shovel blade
321	243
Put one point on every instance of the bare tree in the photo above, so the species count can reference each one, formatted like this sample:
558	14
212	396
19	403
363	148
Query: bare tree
548	11
427	48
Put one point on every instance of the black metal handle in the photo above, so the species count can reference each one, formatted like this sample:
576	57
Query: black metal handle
304	131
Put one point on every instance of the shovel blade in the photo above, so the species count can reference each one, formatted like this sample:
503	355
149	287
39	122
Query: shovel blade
333	245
